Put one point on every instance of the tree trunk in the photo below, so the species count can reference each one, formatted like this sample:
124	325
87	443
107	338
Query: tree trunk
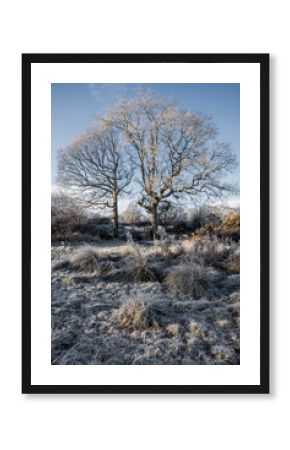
154	219
115	221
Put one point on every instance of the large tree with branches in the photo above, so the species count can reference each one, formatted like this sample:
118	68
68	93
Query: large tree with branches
94	169
175	151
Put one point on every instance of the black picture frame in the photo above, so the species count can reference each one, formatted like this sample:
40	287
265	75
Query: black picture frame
263	61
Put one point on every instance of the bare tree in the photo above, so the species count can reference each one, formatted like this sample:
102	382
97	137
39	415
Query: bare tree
176	151
94	168
132	215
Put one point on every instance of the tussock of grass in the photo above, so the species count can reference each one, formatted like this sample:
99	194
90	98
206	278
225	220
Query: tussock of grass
212	251
63	264
195	281
224	323
234	265
137	267
136	315
194	327
138	270
170	249
106	267
221	353
173	329
85	260
159	269
81	278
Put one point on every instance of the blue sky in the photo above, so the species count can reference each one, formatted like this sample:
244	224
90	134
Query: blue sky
75	107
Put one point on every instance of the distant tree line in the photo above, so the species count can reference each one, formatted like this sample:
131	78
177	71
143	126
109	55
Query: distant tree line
71	221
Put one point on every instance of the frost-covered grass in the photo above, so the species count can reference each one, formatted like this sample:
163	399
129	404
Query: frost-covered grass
195	281
169	302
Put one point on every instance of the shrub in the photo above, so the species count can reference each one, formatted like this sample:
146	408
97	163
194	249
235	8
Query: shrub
170	214
75	236
90	224
103	220
195	281
232	222
139	235
104	232
228	228
181	227
66	215
203	217
97	226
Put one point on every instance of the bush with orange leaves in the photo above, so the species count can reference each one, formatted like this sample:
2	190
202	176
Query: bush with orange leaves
229	228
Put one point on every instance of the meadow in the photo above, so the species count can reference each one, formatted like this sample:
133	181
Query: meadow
133	300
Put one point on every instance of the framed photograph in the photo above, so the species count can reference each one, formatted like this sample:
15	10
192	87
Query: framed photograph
145	245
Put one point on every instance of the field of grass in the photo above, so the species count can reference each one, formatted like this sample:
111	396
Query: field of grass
168	302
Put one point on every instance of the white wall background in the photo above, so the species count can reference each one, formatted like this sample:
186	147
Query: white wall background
170	422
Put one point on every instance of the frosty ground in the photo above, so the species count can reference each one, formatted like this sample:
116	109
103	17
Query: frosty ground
116	302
